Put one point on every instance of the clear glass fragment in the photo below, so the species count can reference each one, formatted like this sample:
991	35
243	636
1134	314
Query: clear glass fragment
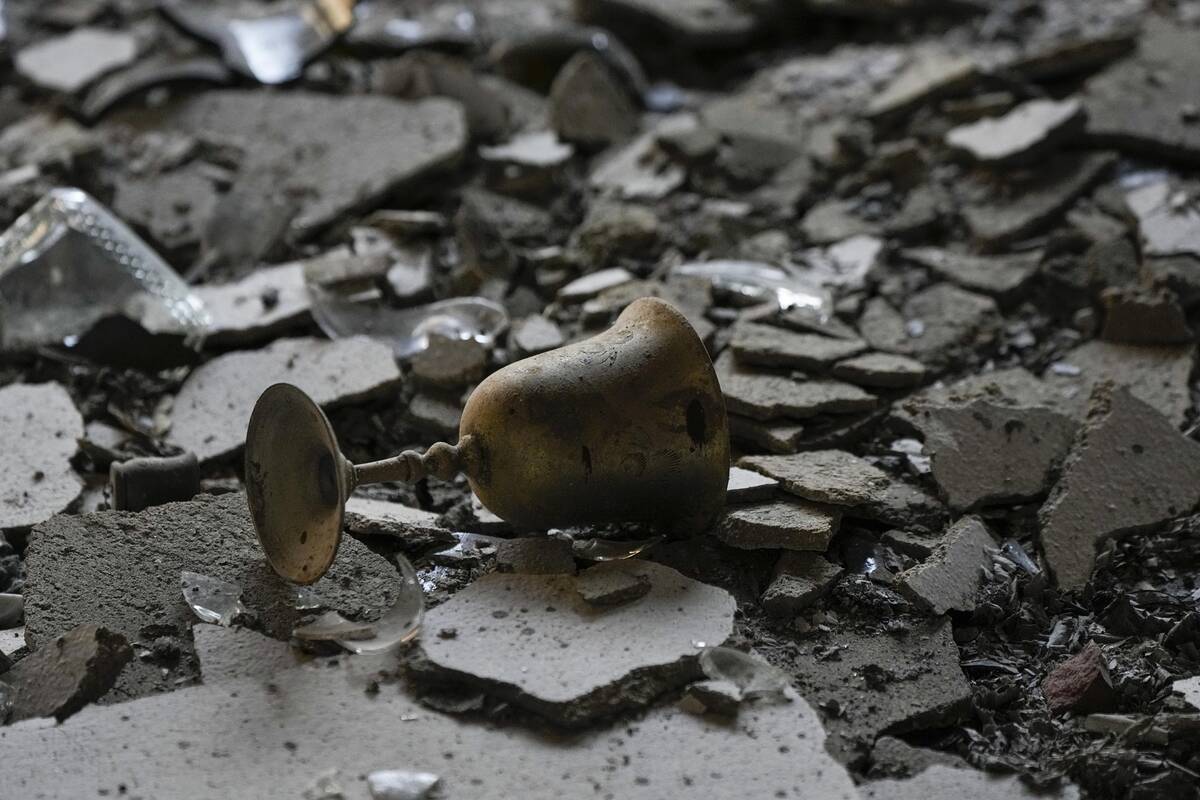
67	262
356	311
611	549
273	45
211	599
758	282
756	678
402	622
333	627
400	784
307	599
1015	553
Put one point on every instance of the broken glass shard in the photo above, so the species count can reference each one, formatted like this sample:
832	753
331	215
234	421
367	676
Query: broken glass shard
402	621
269	43
756	678
67	263
355	311
400	784
333	627
611	549
213	600
1015	553
757	282
307	599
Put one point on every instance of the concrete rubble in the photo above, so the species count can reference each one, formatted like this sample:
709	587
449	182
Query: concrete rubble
70	672
940	782
951	576
41	426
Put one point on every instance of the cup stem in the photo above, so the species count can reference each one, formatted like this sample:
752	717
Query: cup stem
441	460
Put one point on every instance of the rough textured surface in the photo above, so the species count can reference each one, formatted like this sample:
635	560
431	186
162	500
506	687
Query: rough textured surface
940	782
823	476
231	654
1157	376
39	426
534	641
258	307
613	583
779	524
881	370
932	72
68	673
1190	689
936	325
332	722
764	395
415	529
983	453
748	486
535	555
999	276
79	573
950	578
768	345
1129	468
895	758
800	578
213	407
1081	683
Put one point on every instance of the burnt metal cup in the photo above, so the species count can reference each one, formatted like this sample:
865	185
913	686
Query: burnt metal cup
627	426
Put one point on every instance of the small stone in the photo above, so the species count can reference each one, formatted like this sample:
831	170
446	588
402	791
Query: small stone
940	782
257	308
450	363
213	406
519	623
1129	468
722	698
611	230
415	530
588	105
535	555
998	276
931	73
800	578
767	396
950	579
986	454
66	674
1021	135
40	427
1135	315
1168	218
593	284
881	370
779	524
70	62
612	583
768	345
834	477
1081	684
748	486
534	334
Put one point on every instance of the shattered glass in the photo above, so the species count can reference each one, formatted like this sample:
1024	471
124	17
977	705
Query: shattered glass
67	262
211	599
333	627
307	599
400	784
364	312
402	622
1014	552
755	678
611	549
758	282
271	44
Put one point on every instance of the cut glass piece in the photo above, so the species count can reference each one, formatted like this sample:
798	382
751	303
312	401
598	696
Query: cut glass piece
213	600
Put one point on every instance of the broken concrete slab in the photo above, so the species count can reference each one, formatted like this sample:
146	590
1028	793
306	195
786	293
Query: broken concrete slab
941	782
535	642
1135	104
771	346
950	579
264	304
1129	468
66	674
800	579
450	363
892	757
231	654
535	555
613	583
748	486
593	284
416	531
173	208
765	396
834	477
641	170
779	436
534	334
1032	203
938	325
983	453
78	573
70	62
331	719
1156	375
1168	219
882	682
589	105
41	428
881	371
932	73
999	276
1022	135
779	524
332	153
1190	689
213	406
1081	684
1148	316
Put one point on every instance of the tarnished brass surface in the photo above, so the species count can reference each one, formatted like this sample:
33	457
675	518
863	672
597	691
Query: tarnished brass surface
628	426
